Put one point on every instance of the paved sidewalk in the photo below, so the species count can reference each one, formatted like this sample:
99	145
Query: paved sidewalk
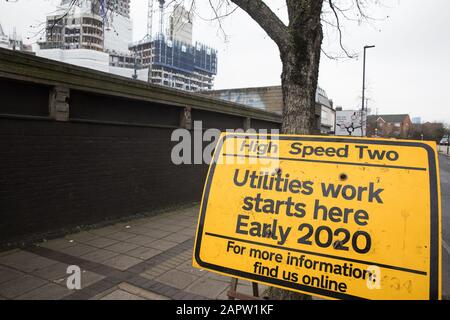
443	150
143	259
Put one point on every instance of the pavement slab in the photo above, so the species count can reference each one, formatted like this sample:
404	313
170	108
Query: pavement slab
144	253
54	272
16	287
120	294
120	235
162	244
156	233
102	242
88	278
141	240
81	237
122	247
148	295
177	237
122	262
25	261
58	244
188	268
78	249
207	287
105	230
7	274
99	255
49	291
177	278
146	258
140	230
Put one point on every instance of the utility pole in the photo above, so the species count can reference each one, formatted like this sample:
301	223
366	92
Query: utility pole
135	76
364	89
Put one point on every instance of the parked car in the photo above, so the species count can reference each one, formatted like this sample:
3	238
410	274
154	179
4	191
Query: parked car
444	141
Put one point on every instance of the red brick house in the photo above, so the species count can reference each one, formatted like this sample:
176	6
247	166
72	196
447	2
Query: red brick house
389	126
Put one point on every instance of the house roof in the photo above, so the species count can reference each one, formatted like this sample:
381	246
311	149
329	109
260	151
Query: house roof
388	117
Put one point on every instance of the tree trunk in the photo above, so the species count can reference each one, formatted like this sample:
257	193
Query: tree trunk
299	45
301	69
299	84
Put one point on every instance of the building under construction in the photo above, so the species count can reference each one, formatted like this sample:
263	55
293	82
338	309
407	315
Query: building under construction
172	59
176	64
13	42
94	25
98	34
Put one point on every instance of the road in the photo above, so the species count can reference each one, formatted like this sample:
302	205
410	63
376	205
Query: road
444	164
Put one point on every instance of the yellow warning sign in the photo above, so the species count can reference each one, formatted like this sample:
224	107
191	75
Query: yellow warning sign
345	218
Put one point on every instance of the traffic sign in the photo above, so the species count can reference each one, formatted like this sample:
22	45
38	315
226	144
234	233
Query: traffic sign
351	123
335	217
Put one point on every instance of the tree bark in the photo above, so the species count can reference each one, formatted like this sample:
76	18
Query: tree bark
299	78
300	62
300	47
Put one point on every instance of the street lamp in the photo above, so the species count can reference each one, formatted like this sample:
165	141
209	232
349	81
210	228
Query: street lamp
364	89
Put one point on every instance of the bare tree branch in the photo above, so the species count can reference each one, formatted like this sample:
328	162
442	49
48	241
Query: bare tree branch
217	17
338	26
268	20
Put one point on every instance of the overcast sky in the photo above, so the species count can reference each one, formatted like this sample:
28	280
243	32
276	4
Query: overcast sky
407	72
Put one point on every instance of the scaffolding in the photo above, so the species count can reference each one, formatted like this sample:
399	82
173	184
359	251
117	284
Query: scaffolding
177	64
185	57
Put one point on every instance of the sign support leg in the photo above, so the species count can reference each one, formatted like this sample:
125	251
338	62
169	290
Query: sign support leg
233	294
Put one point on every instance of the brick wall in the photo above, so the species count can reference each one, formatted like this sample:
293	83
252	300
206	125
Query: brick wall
103	155
59	175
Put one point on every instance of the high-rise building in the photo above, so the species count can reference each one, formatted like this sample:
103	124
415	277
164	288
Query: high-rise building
88	25
121	7
117	25
80	28
13	42
180	25
177	64
173	60
98	34
88	32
